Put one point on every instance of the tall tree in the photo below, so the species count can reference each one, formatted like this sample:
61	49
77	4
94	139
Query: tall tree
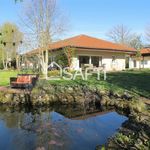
43	20
137	44
120	34
10	39
1	55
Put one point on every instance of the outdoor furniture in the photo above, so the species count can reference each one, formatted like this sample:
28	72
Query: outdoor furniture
26	81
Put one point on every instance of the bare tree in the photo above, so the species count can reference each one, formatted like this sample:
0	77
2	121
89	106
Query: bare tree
120	34
43	20
136	42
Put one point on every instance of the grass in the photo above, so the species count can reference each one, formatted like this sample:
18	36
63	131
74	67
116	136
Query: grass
134	81
5	75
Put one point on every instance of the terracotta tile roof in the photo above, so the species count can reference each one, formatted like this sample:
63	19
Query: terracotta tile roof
84	41
145	51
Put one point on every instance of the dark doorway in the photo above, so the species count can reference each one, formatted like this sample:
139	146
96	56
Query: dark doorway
95	61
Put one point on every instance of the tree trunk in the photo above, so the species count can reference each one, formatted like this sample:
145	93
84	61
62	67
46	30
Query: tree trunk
5	63
43	59
17	62
46	63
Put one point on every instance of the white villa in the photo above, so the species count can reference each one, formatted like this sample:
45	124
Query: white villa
96	52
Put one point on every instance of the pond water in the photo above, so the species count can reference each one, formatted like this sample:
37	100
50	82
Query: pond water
57	130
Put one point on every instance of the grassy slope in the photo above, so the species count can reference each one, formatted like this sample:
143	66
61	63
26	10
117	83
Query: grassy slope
137	82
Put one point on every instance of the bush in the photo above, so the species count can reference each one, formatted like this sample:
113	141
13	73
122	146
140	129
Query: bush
124	139
137	106
61	59
54	73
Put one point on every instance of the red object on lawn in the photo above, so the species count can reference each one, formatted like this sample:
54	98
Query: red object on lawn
24	81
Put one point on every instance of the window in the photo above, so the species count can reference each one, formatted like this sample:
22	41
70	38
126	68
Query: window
144	62
95	61
83	60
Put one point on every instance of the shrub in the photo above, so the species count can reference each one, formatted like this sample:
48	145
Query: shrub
137	106
124	139
61	59
54	73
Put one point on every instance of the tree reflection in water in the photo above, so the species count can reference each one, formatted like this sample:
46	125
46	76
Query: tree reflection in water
45	129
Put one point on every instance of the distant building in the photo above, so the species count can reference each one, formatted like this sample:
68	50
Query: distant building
144	62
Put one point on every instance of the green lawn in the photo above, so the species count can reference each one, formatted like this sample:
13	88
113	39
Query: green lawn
137	81
134	81
5	75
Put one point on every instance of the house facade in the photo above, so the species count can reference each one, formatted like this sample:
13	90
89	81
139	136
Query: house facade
112	60
144	62
95	52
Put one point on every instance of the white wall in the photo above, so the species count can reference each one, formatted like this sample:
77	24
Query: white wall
119	63
140	64
134	64
147	64
131	63
75	63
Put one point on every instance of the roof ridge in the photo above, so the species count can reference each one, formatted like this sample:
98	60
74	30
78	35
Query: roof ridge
84	35
107	41
67	39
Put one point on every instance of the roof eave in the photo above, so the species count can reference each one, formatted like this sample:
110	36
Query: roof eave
146	54
109	49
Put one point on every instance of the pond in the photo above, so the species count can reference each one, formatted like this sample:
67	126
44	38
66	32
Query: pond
54	129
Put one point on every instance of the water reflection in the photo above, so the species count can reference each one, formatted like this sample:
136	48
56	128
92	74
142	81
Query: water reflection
62	128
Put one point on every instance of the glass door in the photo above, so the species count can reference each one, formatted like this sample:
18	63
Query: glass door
95	61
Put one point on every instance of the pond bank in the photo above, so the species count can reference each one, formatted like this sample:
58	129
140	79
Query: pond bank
134	133
47	94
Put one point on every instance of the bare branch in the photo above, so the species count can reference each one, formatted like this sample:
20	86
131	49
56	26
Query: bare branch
120	34
42	17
